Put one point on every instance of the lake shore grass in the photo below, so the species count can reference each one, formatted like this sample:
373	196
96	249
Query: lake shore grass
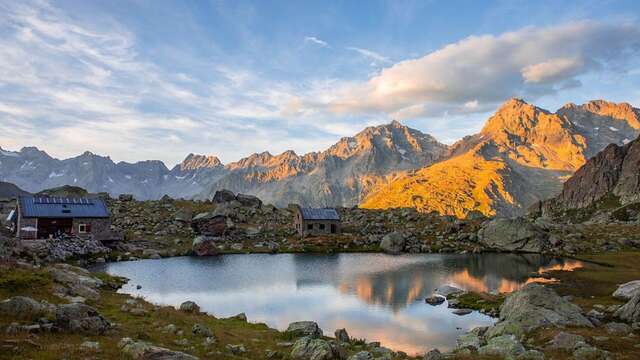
590	285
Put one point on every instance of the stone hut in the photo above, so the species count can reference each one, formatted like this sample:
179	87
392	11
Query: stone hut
310	221
42	217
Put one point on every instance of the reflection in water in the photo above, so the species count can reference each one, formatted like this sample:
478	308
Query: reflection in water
373	296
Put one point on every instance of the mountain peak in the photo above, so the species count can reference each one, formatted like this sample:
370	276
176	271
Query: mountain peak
195	162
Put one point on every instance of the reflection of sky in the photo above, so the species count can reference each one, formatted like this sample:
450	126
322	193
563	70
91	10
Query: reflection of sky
373	296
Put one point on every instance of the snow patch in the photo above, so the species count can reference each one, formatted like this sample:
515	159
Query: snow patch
9	153
612	128
180	177
55	174
27	165
626	141
75	180
128	177
402	151
110	179
85	163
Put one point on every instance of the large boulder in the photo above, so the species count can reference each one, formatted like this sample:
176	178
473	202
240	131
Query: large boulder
506	347
392	243
81	318
309	348
78	281
205	245
190	307
210	224
518	235
223	196
627	290
304	328
535	306
22	307
249	200
141	350
630	311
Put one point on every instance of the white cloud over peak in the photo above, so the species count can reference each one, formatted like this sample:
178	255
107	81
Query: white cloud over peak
484	70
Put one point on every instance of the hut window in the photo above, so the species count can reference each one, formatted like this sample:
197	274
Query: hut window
309	226
84	228
321	226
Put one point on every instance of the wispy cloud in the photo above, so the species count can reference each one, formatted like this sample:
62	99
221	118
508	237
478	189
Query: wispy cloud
484	70
68	87
315	40
371	55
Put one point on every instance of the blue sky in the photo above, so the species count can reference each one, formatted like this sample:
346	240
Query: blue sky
160	79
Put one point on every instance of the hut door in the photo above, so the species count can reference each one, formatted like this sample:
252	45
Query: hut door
333	228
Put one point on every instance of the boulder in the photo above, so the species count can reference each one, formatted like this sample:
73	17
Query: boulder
78	280
361	355
630	312
201	330
205	245
183	215
304	328
435	300
505	346
249	201
448	291
617	329
627	290
566	341
210	224
22	307
514	235
535	306
468	341
434	354
125	197
392	243
309	348
342	335
223	196
142	350
190	307
81	318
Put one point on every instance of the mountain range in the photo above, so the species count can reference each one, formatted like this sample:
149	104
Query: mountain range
522	155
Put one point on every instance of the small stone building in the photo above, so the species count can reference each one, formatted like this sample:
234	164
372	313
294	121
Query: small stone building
40	217
310	221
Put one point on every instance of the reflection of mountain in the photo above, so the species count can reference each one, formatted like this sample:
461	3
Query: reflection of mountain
486	273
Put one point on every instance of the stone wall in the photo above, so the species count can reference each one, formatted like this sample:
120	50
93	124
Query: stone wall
98	225
320	227
23	223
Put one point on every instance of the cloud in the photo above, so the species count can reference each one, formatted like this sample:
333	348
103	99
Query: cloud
68	87
315	40
484	70
370	54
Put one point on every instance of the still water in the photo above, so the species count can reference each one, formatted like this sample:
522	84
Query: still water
374	296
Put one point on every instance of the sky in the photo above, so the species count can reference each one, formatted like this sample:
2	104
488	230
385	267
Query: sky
140	80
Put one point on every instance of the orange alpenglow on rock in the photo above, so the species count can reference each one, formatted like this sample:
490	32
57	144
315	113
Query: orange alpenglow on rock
522	155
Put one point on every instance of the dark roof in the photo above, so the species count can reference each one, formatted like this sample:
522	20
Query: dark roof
320	214
58	207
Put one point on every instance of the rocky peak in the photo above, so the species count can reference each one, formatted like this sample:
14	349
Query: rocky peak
197	162
618	111
515	117
613	171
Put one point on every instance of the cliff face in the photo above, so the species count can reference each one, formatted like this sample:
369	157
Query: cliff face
522	155
613	171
